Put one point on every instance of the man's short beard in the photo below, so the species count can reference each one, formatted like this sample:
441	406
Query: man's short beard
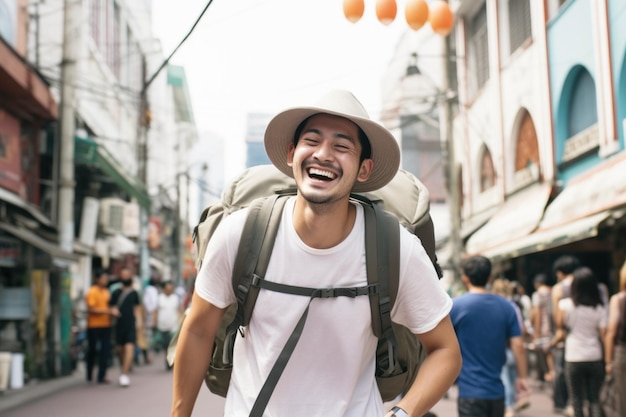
320	203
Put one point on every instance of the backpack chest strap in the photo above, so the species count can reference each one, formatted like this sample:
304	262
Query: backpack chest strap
351	292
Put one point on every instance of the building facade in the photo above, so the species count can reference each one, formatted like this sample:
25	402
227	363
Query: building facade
540	133
82	87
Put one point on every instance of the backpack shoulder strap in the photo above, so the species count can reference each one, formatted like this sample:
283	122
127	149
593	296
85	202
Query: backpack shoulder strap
255	250
382	253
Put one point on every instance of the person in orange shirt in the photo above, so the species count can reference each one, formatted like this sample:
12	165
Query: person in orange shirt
99	315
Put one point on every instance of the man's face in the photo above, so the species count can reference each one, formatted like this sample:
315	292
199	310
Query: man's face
126	277
325	161
103	280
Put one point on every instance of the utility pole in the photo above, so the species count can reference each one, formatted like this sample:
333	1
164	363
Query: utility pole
71	22
60	304
449	159
179	229
142	160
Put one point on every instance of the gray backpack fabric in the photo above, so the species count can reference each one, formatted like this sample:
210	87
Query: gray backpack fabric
262	188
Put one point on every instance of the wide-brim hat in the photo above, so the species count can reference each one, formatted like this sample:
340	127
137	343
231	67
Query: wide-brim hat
385	151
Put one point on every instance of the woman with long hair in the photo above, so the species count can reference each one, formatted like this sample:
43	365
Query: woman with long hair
581	321
615	343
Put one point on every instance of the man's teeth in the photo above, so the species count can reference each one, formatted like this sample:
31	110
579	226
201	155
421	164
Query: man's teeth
321	173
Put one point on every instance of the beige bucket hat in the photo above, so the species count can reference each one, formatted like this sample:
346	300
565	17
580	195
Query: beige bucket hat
385	151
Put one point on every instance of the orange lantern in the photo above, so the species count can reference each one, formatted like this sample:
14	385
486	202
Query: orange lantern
386	11
441	17
416	13
353	9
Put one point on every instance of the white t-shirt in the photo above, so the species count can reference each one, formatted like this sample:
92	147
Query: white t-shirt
168	307
331	371
150	297
582	343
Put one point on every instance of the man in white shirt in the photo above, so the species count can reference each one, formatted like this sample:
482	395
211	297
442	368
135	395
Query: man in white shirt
167	315
330	149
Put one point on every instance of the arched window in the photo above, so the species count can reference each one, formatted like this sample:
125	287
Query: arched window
583	111
527	149
487	172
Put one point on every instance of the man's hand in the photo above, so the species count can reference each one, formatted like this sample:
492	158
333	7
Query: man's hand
114	312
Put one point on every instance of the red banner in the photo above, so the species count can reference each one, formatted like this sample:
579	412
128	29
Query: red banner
155	233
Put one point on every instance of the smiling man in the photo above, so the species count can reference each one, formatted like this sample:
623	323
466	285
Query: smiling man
331	149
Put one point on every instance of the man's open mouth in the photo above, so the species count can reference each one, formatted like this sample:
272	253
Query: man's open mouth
320	174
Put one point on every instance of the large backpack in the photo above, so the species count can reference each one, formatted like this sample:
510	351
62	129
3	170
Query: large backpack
262	190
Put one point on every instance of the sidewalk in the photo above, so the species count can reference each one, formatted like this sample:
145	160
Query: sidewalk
38	389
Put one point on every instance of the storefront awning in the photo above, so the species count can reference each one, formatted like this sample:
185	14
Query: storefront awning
23	91
477	221
54	250
32	210
544	239
115	247
516	218
91	153
600	189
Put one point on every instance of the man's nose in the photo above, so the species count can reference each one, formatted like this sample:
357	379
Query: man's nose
324	151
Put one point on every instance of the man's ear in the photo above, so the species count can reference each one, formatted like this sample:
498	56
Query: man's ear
465	280
365	170
290	150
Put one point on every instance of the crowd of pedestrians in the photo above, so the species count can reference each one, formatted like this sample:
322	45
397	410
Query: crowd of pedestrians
133	320
577	340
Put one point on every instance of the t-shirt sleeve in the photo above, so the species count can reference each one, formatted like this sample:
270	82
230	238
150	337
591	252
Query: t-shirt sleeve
604	317
536	299
214	280
515	320
114	297
421	302
136	298
90	299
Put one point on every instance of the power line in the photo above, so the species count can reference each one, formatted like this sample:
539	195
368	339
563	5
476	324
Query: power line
167	60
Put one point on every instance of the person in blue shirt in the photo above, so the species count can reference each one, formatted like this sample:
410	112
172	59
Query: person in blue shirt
485	325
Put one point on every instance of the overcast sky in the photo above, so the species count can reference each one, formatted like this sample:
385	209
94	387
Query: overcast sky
266	55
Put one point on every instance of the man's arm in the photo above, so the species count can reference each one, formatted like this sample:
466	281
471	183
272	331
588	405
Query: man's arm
609	338
438	372
519	352
556	294
140	315
193	353
91	302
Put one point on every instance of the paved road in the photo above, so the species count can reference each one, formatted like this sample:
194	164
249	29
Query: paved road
540	404
150	395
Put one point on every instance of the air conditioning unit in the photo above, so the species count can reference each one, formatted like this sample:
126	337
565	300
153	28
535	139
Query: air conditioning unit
112	212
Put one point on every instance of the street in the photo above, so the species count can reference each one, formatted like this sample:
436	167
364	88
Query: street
540	404
150	394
